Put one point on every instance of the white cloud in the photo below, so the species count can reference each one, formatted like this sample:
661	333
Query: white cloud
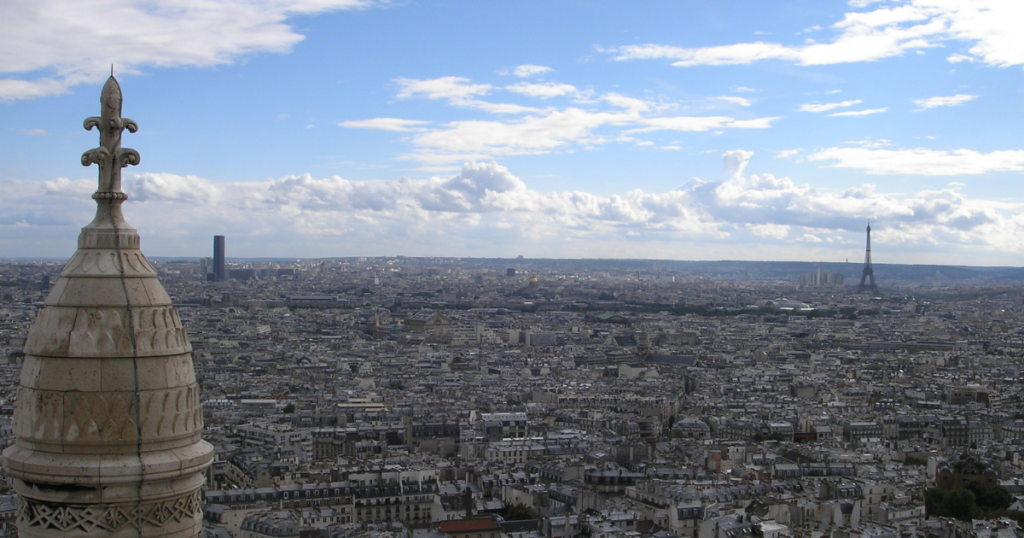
484	210
734	100
724	55
701	123
682	123
52	45
866	112
990	26
755	123
543	90
778	231
957	58
952	100
458	91
863	3
527	70
533	134
495	108
735	161
173	188
440	88
745	89
62	186
34	132
386	124
828	106
921	161
631	104
871	143
539	130
786	153
11	89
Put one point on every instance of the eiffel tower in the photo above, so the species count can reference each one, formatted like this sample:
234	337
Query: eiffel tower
867	278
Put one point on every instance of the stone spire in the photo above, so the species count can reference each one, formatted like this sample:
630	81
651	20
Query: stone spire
108	420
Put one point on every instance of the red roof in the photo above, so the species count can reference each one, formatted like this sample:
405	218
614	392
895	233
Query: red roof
468	525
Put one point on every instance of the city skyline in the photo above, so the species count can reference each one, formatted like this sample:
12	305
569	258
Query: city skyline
688	132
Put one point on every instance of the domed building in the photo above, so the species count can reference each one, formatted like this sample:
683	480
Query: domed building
955	475
108	423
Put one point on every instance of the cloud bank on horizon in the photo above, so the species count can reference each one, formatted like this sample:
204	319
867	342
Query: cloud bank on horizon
919	149
485	200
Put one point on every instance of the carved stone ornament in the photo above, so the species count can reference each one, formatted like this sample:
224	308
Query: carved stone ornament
108	421
111	517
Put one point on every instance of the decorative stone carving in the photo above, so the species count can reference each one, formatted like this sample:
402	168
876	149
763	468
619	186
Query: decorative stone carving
108	420
104	262
104	332
109	517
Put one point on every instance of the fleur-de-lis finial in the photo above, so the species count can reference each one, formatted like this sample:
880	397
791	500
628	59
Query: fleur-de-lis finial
110	156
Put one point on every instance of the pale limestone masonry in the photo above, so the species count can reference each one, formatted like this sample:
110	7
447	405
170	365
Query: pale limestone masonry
108	420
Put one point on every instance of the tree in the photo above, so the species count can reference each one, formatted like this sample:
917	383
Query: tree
520	512
977	499
989	497
933	498
290	408
914	460
960	504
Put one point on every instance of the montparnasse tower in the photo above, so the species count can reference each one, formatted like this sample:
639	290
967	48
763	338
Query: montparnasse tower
108	420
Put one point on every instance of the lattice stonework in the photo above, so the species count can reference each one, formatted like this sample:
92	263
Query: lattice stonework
110	517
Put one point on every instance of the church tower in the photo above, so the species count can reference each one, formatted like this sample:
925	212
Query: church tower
108	420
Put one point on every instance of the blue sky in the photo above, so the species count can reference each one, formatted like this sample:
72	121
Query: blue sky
679	130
